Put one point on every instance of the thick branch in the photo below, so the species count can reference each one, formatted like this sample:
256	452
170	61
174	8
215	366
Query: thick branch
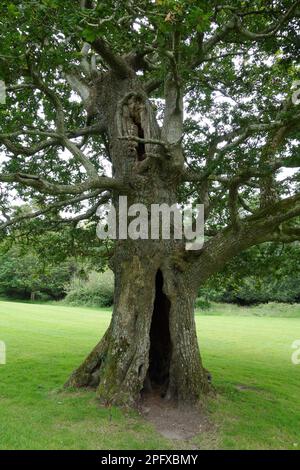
233	205
152	85
54	140
51	95
261	227
235	25
55	206
80	157
46	187
272	30
18	149
286	235
60	135
114	61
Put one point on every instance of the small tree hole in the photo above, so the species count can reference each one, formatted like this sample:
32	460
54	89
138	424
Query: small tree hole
135	109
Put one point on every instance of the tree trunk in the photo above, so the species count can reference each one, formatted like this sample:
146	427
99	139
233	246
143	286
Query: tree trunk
151	341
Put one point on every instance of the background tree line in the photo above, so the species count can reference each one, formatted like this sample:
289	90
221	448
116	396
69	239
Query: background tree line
44	267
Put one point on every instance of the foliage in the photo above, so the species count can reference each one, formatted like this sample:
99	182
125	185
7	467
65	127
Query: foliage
23	275
97	290
264	273
54	242
33	260
255	290
202	304
235	65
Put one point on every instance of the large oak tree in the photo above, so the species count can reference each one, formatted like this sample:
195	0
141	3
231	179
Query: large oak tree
186	100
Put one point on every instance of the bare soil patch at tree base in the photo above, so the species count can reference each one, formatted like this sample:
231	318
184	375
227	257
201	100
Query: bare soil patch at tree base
172	421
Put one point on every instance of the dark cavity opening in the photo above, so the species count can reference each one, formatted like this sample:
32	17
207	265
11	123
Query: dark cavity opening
136	119
160	342
141	151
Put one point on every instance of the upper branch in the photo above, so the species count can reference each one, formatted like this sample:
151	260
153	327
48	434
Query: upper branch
268	224
46	187
54	206
280	129
117	63
172	130
272	30
51	95
114	61
59	137
286	234
235	25
80	157
54	139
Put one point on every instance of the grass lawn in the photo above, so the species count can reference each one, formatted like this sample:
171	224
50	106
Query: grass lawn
248	352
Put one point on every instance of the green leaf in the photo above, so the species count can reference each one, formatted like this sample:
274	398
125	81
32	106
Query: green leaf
89	34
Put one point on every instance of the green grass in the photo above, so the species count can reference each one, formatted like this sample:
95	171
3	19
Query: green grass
45	343
271	309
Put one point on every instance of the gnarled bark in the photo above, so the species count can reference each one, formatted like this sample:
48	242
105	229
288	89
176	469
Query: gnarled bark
151	341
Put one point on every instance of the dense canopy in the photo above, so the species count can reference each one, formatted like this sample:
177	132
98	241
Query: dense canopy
235	63
163	101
